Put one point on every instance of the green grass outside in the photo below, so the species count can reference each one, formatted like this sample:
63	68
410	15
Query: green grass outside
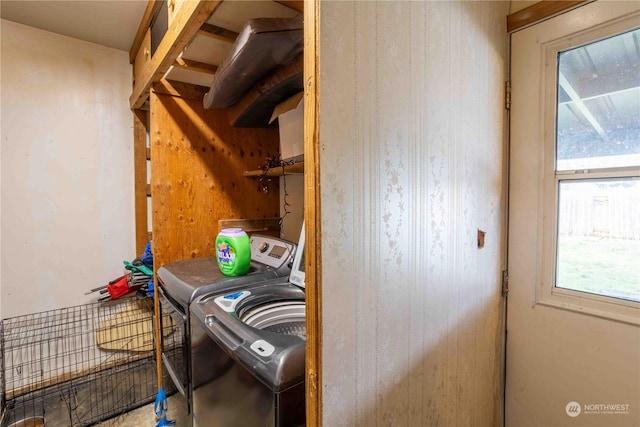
600	265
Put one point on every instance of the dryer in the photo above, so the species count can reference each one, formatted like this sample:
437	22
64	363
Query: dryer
252	371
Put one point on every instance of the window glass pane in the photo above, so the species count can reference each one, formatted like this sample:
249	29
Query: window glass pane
599	237
598	123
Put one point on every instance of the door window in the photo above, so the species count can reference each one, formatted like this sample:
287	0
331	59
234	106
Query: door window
592	189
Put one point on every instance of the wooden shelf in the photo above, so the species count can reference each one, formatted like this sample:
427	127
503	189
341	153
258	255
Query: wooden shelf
277	171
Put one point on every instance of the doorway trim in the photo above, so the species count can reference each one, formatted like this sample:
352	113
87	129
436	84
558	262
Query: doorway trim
313	231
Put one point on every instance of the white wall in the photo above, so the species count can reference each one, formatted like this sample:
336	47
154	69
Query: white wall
412	144
67	169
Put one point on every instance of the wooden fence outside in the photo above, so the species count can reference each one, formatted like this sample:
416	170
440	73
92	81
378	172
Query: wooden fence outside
587	209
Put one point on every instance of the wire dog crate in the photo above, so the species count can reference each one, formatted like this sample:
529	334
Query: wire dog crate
77	366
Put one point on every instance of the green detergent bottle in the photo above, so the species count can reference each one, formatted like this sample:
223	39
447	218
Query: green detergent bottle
233	252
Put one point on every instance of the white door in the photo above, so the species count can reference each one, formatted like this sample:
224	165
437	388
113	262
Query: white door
573	321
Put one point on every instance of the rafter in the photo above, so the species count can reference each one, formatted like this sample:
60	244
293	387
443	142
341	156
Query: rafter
182	28
580	105
189	64
218	33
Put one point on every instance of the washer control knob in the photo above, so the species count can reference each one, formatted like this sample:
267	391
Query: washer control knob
263	247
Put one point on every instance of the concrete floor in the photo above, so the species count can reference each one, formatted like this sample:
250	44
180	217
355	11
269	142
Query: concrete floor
145	416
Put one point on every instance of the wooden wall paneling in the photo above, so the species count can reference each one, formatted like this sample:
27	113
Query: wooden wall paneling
198	161
140	177
312	216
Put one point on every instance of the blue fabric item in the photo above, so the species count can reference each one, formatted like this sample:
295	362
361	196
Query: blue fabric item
160	408
150	288
160	405
147	256
165	422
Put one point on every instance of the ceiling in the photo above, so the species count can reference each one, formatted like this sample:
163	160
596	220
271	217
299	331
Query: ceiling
105	22
114	23
598	101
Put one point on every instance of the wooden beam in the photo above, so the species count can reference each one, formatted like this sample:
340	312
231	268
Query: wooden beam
189	64
145	23
313	229
218	33
184	26
252	225
140	178
295	168
292	4
540	11
180	89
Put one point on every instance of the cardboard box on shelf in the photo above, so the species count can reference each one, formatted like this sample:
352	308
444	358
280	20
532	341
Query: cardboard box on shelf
290	115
